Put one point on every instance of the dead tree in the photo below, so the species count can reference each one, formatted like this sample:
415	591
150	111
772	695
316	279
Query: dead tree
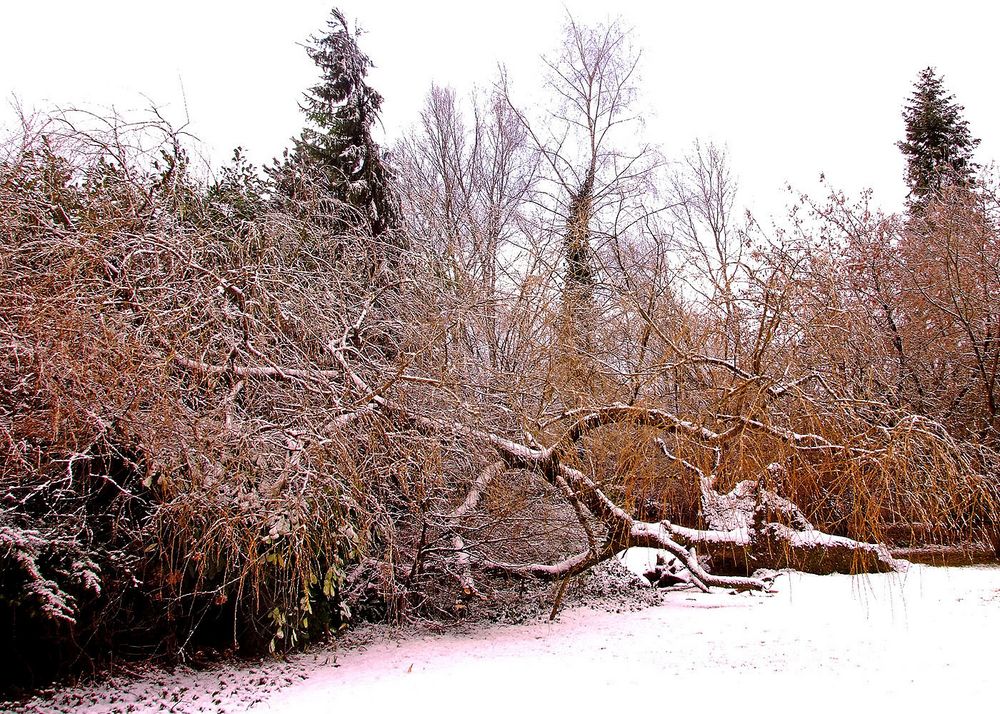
749	528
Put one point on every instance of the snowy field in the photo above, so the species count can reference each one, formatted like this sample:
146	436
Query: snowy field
925	640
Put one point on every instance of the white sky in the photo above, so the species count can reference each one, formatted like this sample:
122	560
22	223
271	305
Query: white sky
794	88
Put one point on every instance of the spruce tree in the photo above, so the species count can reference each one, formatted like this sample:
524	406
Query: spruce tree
337	143
938	146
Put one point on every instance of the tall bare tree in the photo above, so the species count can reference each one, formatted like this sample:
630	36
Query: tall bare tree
466	185
597	178
703	196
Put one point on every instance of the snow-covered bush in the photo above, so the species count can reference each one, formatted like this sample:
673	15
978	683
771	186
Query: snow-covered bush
172	462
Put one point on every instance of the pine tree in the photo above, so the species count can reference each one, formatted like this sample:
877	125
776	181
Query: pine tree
938	146
337	141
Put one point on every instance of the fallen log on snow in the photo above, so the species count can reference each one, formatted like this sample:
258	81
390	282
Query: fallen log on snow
752	527
774	546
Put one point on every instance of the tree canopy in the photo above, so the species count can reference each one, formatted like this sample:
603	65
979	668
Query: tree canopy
340	111
939	146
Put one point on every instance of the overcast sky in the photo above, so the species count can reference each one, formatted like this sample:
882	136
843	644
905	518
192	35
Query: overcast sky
793	88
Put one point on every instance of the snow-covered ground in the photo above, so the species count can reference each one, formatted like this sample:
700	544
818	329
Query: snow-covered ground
924	640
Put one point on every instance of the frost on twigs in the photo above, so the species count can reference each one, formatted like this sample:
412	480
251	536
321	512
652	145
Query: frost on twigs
23	553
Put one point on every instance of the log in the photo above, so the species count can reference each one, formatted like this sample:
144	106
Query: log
774	546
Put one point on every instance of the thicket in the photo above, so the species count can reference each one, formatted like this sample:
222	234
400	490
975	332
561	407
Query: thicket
145	492
222	424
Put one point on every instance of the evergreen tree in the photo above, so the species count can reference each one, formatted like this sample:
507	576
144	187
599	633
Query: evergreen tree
237	196
938	146
337	142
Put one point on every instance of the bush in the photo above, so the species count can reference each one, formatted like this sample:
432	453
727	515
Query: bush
167	483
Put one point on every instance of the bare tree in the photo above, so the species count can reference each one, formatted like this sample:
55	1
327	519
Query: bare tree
596	186
949	255
703	193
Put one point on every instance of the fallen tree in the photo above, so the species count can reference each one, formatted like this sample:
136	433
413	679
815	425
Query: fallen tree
749	528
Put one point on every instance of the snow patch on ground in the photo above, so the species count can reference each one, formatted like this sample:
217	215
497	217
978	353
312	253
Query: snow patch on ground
916	640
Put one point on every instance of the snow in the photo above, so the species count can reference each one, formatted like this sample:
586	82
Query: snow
737	536
917	641
823	643
642	560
